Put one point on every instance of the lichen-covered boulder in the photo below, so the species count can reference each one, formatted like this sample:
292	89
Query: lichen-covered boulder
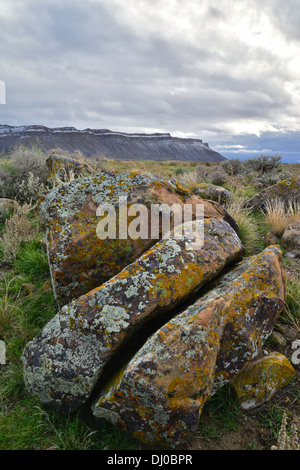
64	167
159	395
213	193
291	239
79	258
261	379
65	362
287	191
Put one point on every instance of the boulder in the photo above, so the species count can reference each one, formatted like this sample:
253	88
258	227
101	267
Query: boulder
213	193
261	379
67	360
63	167
159	394
270	239
288	191
79	259
291	239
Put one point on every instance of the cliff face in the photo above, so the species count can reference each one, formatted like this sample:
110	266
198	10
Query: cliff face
119	145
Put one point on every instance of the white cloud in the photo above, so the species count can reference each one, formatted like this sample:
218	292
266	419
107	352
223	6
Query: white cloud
198	68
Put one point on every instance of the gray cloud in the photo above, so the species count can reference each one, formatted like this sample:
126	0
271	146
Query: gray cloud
217	69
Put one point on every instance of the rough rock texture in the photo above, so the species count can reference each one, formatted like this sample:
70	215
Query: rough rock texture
291	239
62	166
64	363
213	193
287	191
79	260
270	239
159	395
263	377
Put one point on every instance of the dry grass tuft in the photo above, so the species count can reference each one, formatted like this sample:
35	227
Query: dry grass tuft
249	233
189	180
277	216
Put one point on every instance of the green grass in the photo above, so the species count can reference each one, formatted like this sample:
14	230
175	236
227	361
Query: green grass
26	305
221	414
32	262
271	419
291	313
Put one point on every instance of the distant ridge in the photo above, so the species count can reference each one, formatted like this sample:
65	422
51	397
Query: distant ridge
110	144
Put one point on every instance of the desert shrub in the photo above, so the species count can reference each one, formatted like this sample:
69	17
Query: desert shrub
24	160
179	171
201	172
233	167
264	163
284	175
18	229
22	171
30	189
218	177
268	179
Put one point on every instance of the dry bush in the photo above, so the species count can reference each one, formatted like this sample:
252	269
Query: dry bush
30	189
25	160
18	229
286	441
218	176
201	172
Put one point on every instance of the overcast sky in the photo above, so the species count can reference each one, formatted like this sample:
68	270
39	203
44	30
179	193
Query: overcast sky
226	71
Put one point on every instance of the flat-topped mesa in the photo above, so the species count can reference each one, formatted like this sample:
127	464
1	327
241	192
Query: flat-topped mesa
79	260
115	145
63	365
159	395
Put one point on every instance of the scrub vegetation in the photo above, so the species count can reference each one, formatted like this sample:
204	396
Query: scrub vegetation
27	304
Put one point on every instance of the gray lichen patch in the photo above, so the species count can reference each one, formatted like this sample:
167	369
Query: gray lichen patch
113	319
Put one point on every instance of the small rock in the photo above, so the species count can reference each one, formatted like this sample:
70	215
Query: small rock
278	338
270	239
30	288
261	379
62	166
213	192
288	331
287	191
291	239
